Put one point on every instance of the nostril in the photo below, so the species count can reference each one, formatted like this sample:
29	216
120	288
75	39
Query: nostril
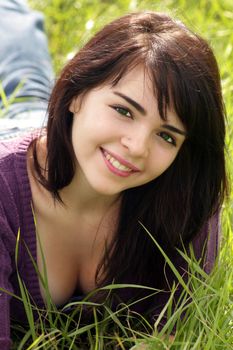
137	147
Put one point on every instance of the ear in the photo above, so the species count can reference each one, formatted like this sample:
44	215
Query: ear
73	107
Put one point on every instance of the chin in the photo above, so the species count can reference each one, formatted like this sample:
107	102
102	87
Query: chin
108	192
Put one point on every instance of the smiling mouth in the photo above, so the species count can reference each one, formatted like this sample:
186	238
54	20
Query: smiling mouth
117	164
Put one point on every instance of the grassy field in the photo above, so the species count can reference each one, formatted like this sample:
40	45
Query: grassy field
208	324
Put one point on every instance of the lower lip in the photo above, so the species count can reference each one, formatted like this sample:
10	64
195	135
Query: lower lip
115	170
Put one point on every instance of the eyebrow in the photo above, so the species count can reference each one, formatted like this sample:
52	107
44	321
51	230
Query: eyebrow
132	102
143	111
174	129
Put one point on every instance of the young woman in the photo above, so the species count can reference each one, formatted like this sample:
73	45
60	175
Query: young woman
134	140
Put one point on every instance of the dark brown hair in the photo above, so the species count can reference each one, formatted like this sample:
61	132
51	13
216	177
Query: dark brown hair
174	206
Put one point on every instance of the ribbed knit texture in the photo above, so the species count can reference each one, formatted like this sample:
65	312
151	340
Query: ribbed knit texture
15	213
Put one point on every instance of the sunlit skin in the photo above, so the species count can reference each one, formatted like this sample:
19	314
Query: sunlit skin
122	123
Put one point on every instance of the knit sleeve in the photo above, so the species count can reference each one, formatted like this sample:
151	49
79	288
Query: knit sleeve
5	285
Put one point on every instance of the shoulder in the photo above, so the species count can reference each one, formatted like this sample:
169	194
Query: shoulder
14	184
10	148
206	243
13	155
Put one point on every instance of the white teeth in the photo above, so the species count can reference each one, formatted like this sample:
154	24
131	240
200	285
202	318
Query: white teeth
116	163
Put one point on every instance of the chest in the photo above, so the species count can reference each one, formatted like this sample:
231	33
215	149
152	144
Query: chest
68	255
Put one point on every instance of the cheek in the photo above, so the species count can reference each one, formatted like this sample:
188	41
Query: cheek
161	162
87	136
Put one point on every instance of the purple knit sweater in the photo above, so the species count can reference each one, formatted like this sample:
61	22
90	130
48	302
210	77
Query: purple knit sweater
16	212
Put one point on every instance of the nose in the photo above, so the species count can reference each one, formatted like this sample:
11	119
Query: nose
137	143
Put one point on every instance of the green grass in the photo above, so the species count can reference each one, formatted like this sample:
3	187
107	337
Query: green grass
208	322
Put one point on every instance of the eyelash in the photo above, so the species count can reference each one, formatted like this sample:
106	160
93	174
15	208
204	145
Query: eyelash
119	108
164	135
167	137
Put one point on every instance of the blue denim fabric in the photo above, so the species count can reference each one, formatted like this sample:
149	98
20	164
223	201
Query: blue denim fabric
26	72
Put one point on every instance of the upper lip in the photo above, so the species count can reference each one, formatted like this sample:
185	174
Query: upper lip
121	160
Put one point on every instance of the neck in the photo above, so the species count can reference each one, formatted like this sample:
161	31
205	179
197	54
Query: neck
80	197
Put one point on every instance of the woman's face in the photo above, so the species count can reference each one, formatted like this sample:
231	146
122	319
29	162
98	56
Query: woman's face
119	138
